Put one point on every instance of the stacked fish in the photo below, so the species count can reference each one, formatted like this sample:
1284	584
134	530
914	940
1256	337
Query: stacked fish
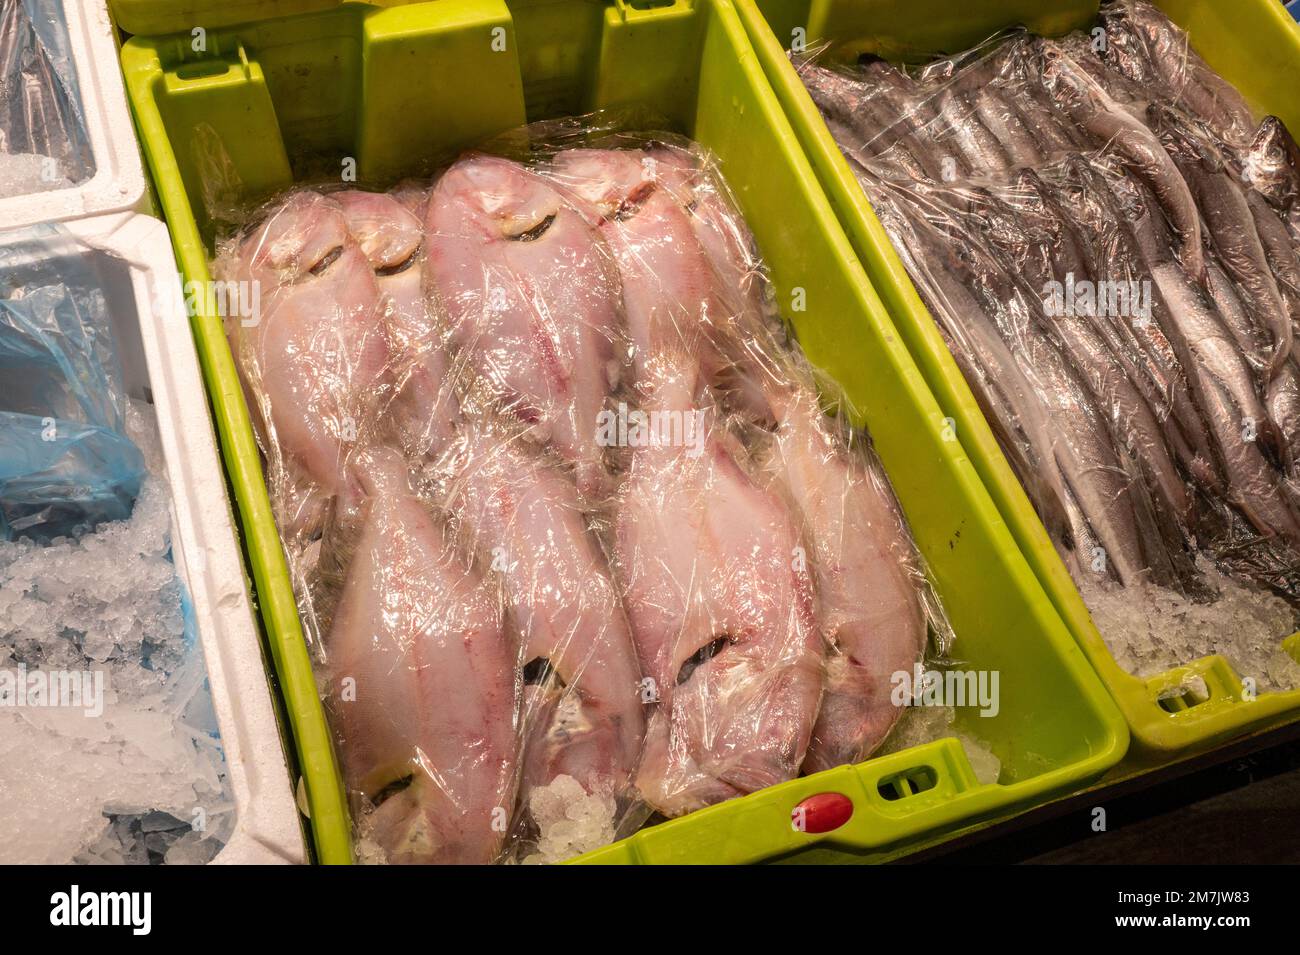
1109	244
570	530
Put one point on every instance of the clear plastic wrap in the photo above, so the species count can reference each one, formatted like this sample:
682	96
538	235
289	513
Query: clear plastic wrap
590	549
1106	238
66	463
43	142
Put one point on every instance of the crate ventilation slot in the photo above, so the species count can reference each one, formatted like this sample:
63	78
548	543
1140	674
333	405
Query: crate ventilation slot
1179	699
907	783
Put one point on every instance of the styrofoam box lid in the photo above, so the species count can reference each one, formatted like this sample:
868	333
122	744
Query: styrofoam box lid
118	183
204	545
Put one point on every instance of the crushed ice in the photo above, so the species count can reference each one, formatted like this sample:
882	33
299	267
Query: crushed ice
925	724
1150	629
145	782
570	820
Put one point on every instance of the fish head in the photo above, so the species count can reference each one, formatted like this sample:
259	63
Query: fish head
1125	47
1271	163
608	183
1068	84
299	238
502	199
388	233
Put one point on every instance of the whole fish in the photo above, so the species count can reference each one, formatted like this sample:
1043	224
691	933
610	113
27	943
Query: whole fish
748	334
1283	391
583	715
1020	88
1107	424
314	360
999	115
847	102
1188	80
423	411
1281	388
1055	407
912	124
1145	343
424	680
1009	399
531	298
981	154
1054	255
868	581
722	616
1280	252
727	241
679	296
1080	97
1230	225
1246	440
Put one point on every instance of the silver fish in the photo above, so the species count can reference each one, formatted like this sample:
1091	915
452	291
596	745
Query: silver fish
1246	440
1078	95
1230	225
1188	79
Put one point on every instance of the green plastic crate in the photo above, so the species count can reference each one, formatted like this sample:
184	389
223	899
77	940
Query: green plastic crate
392	87
1254	44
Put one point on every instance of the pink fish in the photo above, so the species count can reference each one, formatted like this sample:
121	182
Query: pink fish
722	615
868	579
583	713
686	285
423	681
424	409
313	360
531	298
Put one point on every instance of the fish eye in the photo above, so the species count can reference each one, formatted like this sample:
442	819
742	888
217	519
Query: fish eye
633	203
537	231
401	266
539	671
326	261
391	790
702	656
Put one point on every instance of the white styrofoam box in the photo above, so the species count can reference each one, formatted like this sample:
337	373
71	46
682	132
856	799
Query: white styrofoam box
144	295
118	183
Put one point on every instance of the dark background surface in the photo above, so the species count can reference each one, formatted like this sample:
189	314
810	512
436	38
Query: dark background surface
1239	806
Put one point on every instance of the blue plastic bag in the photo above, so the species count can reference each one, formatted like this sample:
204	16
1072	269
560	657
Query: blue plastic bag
57	476
66	463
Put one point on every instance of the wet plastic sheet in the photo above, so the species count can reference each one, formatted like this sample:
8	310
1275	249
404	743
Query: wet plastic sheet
1107	239
65	460
43	141
573	538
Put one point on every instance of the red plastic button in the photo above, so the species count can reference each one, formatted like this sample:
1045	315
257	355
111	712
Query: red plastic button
822	813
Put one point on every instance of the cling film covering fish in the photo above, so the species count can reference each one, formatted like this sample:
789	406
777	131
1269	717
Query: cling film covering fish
573	538
1107	238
